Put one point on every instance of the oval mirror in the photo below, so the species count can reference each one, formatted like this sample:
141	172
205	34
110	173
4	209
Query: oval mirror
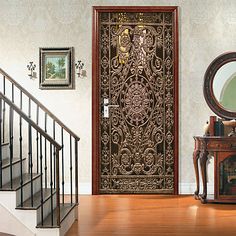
224	86
220	85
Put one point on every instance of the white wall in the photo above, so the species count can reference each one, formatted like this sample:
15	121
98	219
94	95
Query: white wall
207	28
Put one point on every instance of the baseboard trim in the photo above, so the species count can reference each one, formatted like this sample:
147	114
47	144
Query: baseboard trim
84	188
189	188
184	188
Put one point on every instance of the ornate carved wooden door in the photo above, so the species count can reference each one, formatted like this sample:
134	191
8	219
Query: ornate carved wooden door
135	100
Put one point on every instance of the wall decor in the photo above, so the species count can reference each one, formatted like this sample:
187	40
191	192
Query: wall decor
56	70
79	67
31	67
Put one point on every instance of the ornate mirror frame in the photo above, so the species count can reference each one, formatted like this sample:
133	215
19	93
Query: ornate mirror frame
209	76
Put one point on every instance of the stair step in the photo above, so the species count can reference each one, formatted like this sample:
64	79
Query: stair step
6	162
27	205
5	144
16	182
65	209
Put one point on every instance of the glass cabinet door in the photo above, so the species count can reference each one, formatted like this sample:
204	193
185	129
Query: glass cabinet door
227	176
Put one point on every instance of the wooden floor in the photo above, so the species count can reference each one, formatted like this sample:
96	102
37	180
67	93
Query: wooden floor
144	215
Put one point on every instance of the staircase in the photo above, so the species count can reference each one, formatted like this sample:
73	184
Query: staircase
38	166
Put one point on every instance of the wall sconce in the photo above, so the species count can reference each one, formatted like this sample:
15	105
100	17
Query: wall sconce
31	67
79	66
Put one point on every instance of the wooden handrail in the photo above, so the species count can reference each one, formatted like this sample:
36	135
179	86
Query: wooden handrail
32	123
39	104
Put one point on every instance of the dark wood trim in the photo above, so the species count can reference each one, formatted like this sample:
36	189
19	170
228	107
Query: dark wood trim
95	106
176	104
95	83
99	9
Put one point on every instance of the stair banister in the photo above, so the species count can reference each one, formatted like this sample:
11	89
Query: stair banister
8	77
28	120
52	155
63	131
42	133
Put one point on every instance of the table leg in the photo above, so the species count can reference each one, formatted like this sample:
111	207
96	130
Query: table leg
203	161
195	163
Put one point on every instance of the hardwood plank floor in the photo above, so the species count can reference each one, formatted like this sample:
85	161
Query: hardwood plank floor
144	215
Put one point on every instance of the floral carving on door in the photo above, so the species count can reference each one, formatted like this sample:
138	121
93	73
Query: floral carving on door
136	74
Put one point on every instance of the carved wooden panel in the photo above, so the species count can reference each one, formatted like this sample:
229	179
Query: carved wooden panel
136	72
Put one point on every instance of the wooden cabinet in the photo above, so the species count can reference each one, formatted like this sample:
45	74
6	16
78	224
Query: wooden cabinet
219	141
223	150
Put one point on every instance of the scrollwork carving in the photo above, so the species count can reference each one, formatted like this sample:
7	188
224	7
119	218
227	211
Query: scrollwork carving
138	139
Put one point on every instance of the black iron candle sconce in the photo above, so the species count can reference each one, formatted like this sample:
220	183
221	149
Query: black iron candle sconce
31	67
79	67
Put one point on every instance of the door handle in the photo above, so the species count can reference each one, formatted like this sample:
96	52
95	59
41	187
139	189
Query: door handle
106	107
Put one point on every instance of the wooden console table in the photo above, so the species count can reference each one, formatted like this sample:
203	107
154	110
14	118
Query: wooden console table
221	147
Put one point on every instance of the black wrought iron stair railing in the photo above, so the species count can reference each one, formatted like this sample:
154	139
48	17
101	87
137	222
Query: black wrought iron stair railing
28	176
38	145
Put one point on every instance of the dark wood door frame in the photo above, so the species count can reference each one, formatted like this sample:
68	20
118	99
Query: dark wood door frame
95	84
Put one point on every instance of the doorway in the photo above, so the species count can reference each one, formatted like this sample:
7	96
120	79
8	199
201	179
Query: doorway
135	100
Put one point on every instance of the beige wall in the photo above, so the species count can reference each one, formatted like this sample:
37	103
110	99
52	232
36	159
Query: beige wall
207	28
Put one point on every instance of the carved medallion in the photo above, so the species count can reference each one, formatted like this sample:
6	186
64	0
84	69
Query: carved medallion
137	100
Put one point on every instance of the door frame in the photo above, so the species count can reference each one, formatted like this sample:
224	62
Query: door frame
95	85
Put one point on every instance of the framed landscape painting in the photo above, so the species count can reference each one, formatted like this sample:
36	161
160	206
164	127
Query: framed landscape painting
56	68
